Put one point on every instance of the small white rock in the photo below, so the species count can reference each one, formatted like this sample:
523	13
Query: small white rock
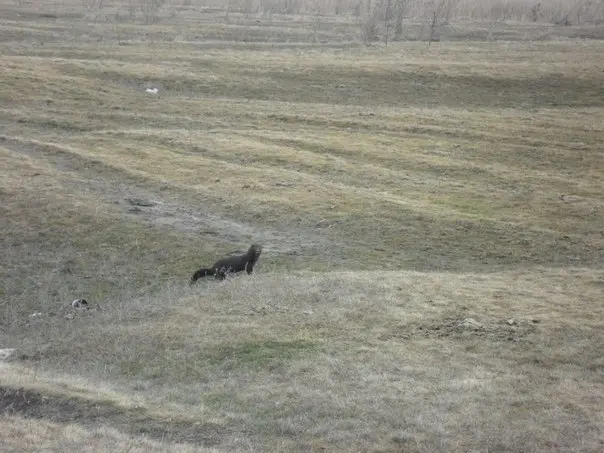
471	324
80	304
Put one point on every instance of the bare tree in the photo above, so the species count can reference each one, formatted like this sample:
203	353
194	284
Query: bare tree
400	10
587	11
248	6
150	8
597	15
388	15
293	6
433	26
268	7
440	15
356	9
339	7
369	27
92	4
94	7
132	10
536	12
316	19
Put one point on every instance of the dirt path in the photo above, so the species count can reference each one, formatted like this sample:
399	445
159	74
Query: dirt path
134	421
161	206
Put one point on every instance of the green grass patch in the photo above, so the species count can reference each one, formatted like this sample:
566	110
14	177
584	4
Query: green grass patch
260	353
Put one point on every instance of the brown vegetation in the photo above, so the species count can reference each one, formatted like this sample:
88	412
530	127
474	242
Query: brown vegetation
452	304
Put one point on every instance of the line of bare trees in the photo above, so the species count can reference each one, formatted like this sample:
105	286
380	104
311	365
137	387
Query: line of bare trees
556	11
379	19
389	16
148	9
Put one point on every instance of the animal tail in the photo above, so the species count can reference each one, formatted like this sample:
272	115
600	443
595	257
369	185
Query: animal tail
202	273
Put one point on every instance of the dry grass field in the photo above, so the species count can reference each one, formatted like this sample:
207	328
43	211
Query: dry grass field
432	217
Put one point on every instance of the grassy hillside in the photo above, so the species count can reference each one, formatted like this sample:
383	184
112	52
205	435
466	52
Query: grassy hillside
432	219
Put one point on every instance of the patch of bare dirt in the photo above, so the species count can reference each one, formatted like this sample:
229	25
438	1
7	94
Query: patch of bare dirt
135	421
460	327
158	206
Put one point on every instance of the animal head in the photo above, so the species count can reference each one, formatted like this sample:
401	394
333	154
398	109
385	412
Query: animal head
256	249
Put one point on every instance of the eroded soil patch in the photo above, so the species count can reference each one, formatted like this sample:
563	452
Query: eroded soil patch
161	205
460	327
134	421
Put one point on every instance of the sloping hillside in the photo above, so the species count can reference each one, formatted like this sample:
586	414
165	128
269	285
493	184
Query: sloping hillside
431	220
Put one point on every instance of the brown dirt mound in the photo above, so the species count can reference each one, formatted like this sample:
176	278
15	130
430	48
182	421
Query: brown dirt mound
458	327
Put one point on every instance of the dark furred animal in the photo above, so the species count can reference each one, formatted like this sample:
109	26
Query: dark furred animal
230	265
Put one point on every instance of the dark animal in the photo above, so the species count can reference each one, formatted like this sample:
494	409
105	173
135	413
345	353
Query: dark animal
230	265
